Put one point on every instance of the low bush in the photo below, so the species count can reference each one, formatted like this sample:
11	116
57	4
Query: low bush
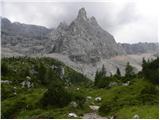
56	95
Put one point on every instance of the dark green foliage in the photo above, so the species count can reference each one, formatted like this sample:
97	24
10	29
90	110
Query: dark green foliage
118	73
100	76
104	82
12	109
42	73
56	95
141	92
79	98
41	70
150	70
6	91
129	70
149	94
109	106
4	69
103	71
73	77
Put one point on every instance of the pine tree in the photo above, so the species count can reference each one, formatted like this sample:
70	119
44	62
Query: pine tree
150	70
118	73
103	71
129	70
144	63
42	73
56	95
96	78
100	75
4	69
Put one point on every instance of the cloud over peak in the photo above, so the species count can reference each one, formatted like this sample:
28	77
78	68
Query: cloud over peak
126	21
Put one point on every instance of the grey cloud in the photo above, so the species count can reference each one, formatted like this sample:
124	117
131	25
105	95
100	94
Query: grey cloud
122	21
128	14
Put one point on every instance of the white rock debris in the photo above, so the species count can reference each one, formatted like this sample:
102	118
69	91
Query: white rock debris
72	115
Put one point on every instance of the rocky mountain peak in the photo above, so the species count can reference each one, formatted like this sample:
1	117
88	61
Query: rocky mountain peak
62	26
82	15
93	20
84	40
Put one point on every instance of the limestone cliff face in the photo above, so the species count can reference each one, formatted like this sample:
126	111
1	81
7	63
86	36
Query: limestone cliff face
83	40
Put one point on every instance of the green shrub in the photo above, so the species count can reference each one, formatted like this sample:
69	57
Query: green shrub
10	108
150	70
109	106
149	95
56	95
4	69
79	98
6	91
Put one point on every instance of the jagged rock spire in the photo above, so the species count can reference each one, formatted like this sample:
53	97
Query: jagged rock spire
82	14
93	20
62	26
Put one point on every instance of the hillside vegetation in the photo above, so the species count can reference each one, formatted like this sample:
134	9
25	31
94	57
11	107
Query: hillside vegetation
46	88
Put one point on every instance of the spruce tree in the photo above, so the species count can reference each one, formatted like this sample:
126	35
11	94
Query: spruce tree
100	75
129	70
118	73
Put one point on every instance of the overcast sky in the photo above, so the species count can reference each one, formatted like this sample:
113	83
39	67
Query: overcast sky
128	22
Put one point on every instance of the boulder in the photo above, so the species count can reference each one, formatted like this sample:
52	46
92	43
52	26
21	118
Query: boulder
73	104
72	115
126	84
136	116
88	97
28	77
98	99
94	107
113	84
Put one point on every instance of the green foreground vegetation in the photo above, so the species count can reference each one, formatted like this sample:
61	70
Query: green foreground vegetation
45	88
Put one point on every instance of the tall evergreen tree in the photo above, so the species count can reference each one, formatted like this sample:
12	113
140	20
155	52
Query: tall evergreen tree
42	73
103	71
118	73
150	70
144	63
56	95
100	75
129	70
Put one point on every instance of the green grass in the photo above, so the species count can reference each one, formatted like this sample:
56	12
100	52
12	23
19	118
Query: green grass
24	100
32	97
144	112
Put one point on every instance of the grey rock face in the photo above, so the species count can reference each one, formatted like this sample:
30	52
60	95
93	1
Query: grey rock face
83	40
19	29
140	48
22	38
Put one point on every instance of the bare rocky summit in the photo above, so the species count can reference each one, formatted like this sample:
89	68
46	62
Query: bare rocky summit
84	40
